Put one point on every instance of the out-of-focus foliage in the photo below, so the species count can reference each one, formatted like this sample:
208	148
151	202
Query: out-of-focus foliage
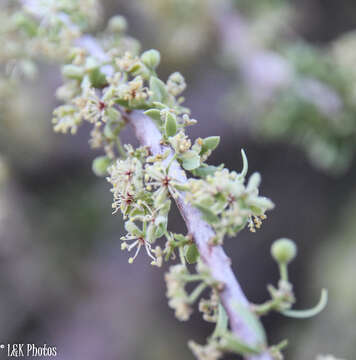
328	137
314	105
183	28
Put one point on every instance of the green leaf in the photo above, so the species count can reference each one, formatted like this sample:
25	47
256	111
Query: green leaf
113	117
155	115
136	212
97	78
210	143
161	226
303	314
122	102
190	160
192	254
131	227
251	320
205	170
170	124
159	105
221	324
207	214
158	88
180	237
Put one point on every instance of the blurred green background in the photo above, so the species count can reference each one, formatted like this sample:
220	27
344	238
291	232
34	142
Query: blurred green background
64	280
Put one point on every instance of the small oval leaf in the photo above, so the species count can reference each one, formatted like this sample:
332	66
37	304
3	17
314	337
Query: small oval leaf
155	115
170	124
192	254
190	160
97	78
205	170
210	143
158	88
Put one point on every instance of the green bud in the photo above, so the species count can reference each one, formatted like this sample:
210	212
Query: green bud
100	165
73	72
117	24
151	58
170	125
210	143
283	250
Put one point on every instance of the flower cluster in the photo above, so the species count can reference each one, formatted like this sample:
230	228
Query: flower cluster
179	299
227	203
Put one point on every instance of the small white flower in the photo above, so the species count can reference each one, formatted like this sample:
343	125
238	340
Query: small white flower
137	242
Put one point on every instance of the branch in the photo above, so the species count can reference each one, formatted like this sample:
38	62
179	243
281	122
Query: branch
213	256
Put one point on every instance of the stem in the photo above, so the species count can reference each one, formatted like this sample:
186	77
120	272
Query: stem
120	148
197	291
181	255
283	269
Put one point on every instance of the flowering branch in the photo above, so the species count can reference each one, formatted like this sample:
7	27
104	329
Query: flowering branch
108	83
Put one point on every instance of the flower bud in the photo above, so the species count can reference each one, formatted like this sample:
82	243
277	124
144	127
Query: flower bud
151	58
283	250
117	24
100	165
